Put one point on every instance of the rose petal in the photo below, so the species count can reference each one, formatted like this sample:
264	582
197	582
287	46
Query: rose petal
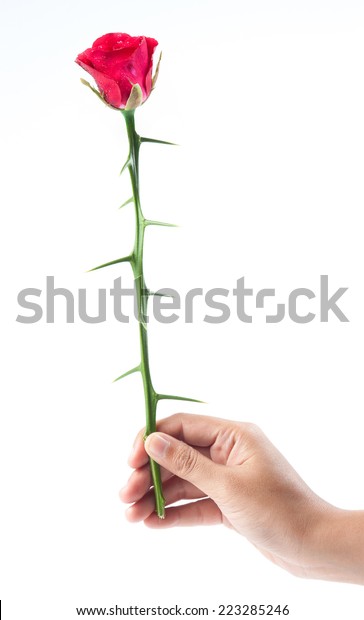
117	62
108	87
115	41
152	44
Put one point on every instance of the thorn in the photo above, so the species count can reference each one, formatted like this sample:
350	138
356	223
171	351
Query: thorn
129	372
160	294
125	166
170	397
126	201
125	259
156	223
153	141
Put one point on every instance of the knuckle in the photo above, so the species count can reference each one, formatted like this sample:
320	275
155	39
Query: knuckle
175	417
185	460
179	417
251	431
174	421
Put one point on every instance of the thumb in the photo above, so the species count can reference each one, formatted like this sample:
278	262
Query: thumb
185	462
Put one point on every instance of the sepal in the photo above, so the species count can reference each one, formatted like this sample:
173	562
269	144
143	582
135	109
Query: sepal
156	73
135	98
97	93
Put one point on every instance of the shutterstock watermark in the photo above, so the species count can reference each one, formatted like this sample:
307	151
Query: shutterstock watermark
167	305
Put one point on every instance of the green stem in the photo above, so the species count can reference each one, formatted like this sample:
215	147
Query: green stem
136	260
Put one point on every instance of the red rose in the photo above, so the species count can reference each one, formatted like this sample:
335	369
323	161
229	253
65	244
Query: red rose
117	62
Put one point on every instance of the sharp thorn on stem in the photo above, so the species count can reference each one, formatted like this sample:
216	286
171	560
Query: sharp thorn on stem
160	294
125	166
129	372
155	141
127	202
170	397
157	223
125	259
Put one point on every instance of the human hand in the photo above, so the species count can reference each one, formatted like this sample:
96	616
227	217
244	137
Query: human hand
241	480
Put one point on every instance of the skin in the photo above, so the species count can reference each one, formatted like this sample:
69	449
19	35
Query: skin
235	476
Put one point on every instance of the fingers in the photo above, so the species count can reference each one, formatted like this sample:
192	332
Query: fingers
173	490
138	456
139	484
202	512
196	430
187	463
140	481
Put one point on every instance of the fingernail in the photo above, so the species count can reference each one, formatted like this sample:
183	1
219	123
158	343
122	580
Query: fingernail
156	445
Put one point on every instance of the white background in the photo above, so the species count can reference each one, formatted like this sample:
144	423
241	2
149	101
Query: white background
266	99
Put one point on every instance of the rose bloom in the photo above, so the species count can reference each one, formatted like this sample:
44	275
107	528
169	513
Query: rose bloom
117	62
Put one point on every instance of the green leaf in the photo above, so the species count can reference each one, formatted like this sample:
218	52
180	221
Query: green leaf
125	259
170	397
155	76
154	141
129	372
135	98
126	201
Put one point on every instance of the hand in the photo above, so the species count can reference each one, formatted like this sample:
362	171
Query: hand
238	478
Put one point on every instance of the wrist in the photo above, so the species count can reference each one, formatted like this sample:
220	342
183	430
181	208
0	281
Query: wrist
337	544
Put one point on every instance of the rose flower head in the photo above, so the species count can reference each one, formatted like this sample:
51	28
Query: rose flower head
121	66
